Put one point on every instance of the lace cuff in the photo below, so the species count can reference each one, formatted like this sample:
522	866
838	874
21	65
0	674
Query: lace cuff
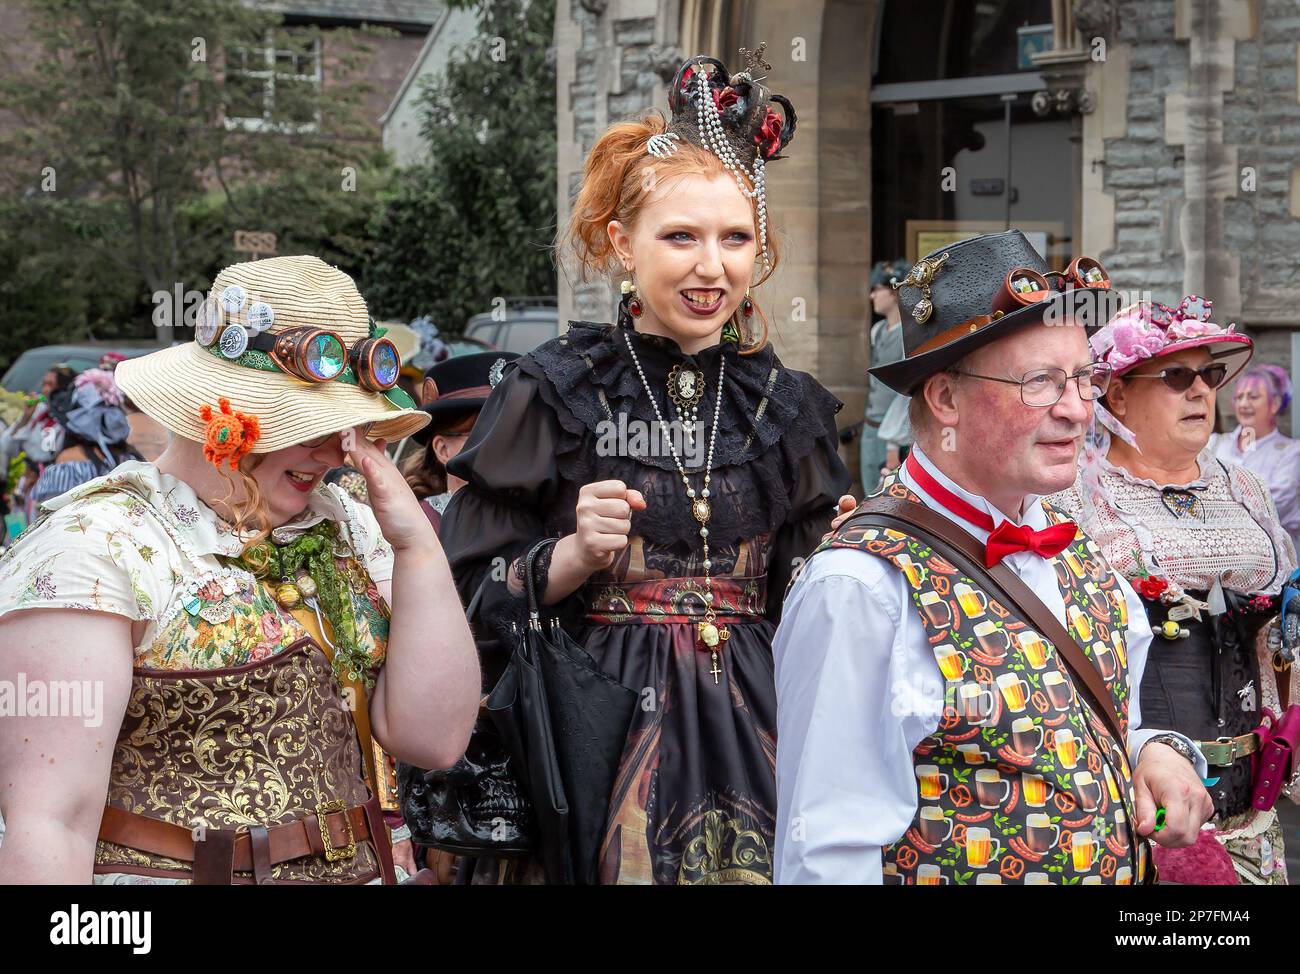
541	571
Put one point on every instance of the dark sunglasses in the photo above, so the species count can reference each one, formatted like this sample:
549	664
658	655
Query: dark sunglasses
1180	378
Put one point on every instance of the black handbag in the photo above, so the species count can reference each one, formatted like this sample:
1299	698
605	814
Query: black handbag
564	723
477	807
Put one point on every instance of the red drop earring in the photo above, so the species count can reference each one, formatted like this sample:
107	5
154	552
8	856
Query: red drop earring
747	306
633	301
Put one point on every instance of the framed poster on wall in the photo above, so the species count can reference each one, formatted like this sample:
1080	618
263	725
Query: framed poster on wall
924	236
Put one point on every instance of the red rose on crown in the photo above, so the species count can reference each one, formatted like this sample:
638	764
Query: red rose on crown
768	138
725	98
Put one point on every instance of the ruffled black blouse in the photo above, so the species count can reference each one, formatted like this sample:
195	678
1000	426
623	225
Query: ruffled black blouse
776	466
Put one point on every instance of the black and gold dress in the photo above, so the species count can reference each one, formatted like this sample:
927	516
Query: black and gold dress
694	800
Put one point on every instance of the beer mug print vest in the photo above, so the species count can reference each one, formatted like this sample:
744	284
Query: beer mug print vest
1021	782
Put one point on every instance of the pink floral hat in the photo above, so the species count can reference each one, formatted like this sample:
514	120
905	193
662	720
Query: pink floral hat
1148	330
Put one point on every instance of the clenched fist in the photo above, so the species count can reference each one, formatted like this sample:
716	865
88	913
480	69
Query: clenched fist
604	513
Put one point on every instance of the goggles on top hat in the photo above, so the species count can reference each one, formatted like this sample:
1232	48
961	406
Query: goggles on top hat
1024	285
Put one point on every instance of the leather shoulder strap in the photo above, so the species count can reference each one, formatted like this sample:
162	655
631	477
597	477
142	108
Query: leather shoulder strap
965	552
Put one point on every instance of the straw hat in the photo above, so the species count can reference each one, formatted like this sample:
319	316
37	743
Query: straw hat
272	296
1147	330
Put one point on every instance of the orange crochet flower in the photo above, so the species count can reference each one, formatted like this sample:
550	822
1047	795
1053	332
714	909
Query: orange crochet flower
229	435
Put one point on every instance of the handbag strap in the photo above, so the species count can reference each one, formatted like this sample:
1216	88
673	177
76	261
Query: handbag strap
530	582
960	548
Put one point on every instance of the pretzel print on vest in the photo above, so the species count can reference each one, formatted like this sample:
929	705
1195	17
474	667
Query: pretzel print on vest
1021	782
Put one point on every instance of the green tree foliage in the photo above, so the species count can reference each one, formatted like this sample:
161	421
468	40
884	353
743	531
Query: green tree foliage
143	133
478	219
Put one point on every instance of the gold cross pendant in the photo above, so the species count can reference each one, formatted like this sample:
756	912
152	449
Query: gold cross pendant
712	636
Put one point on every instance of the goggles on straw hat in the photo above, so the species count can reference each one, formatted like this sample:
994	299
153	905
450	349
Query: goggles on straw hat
285	353
307	353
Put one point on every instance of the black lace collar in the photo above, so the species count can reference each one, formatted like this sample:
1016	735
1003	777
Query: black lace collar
594	378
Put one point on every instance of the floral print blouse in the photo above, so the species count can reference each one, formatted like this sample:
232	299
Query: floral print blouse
140	544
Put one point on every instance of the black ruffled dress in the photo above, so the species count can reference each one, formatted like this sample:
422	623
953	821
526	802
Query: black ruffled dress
695	796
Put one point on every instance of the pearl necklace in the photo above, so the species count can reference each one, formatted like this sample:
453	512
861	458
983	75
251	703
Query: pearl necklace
709	634
715	139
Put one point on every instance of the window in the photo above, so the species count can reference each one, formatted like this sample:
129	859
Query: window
943	140
275	84
924	40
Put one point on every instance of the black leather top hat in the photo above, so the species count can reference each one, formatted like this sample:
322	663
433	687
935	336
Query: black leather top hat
459	386
956	299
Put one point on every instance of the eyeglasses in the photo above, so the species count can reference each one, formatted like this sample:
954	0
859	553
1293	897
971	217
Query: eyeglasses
1180	378
1023	285
317	355
1044	387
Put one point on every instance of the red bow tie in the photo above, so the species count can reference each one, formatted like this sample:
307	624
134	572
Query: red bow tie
1007	538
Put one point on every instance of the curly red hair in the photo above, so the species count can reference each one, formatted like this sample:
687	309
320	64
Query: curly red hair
615	187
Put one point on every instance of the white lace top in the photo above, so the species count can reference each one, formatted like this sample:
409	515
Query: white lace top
1232	533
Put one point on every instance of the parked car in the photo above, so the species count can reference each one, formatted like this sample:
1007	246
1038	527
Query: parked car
29	368
522	325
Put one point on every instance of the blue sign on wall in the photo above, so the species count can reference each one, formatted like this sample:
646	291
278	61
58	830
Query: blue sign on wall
1030	41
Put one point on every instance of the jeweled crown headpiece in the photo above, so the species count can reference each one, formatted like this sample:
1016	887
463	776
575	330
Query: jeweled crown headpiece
732	117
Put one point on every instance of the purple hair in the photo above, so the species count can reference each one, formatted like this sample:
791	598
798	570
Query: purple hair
1274	379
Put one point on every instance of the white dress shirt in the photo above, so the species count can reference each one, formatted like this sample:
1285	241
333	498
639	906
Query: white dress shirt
858	688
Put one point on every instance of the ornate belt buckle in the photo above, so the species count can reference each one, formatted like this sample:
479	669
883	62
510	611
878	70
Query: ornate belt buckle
335	853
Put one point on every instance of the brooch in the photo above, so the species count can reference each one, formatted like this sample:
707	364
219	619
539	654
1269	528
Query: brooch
921	274
1180	503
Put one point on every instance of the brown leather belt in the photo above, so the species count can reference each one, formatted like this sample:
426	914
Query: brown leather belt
1226	750
253	848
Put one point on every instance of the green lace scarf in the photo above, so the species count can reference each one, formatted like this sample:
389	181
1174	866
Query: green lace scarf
312	552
